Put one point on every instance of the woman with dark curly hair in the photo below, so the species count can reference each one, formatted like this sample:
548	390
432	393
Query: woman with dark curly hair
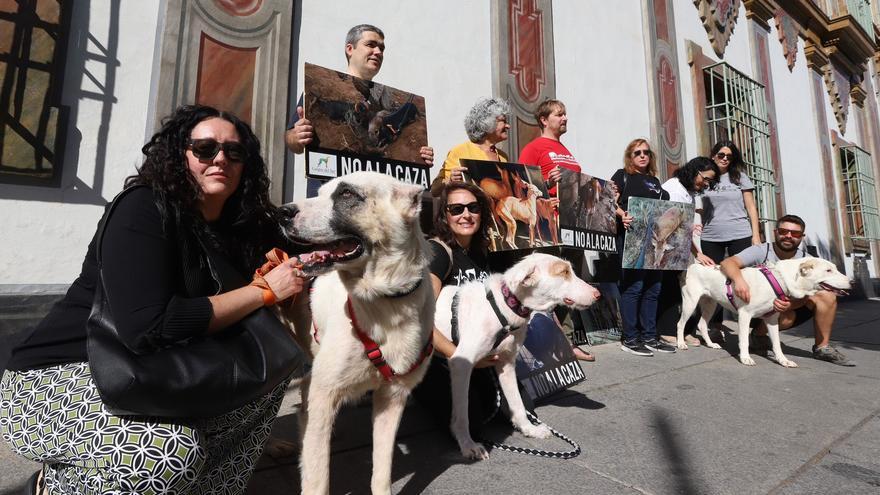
203	186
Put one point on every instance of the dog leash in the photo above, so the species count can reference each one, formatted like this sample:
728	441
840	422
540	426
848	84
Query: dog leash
552	454
771	279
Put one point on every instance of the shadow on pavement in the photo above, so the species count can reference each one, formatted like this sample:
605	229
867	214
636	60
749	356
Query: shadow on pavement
686	479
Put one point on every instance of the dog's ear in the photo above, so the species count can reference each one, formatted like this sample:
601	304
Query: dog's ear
530	278
806	267
409	198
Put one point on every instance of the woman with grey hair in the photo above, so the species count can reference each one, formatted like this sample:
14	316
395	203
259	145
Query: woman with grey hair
486	126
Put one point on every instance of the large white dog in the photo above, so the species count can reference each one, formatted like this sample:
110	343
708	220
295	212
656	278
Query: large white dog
539	282
796	278
371	313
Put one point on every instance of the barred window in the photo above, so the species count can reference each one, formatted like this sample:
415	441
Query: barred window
737	110
860	193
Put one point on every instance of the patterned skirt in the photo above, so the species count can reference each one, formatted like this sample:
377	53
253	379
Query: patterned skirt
55	416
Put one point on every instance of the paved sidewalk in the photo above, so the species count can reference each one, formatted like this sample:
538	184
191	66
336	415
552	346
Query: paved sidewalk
692	422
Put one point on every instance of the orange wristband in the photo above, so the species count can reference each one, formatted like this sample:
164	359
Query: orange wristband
269	297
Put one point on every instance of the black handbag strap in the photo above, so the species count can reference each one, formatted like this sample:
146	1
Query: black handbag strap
103	227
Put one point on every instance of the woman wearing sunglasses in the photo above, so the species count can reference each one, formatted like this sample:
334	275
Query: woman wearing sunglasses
202	186
459	251
730	218
685	186
639	289
486	126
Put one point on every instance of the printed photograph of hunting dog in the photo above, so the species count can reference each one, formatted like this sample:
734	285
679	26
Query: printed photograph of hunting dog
359	116
659	237
522	213
586	202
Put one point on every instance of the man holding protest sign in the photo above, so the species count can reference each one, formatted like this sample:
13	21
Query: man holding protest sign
365	52
548	152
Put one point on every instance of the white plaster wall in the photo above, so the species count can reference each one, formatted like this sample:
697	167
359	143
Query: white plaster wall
602	78
439	50
45	231
688	26
799	149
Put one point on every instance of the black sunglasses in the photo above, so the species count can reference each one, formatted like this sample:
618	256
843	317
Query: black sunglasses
724	156
207	149
638	153
458	208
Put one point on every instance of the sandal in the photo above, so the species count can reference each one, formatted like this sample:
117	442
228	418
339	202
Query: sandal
582	355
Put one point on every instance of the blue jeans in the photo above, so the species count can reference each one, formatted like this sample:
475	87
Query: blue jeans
639	290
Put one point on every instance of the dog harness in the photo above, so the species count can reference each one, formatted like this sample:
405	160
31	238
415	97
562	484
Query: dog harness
512	302
374	353
774	284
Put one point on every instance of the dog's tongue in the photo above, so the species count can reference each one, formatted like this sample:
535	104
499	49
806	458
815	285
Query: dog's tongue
337	249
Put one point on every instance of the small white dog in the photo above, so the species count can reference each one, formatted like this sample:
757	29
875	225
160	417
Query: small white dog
539	282
797	278
369	318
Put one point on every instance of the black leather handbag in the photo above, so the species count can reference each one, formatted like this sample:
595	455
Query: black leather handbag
203	377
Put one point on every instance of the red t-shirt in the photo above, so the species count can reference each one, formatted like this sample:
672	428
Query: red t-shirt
548	153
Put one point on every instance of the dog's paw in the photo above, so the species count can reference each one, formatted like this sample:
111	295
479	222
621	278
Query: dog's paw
747	360
681	345
474	451
536	431
788	363
713	345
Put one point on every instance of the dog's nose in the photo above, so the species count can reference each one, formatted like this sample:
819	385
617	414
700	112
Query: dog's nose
289	211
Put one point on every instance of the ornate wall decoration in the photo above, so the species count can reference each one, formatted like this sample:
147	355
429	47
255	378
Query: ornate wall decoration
760	34
523	55
234	55
33	123
838	86
664	85
719	19
788	30
835	242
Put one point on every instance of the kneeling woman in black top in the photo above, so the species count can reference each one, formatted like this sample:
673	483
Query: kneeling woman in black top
458	255
204	185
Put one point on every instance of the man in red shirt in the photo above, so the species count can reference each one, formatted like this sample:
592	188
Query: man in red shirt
549	153
546	150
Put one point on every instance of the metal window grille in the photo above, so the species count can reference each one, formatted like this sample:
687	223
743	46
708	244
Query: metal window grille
860	193
736	109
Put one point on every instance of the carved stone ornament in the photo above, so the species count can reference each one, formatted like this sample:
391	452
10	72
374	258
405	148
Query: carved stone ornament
788	31
838	86
719	18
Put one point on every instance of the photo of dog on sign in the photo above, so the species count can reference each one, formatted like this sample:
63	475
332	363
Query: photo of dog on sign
586	202
659	237
354	115
522	212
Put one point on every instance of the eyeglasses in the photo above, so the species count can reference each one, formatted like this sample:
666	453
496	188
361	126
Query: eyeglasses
207	149
797	234
638	153
724	156
458	208
710	180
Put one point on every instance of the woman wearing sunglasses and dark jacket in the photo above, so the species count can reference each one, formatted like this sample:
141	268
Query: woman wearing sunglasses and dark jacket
202	186
639	289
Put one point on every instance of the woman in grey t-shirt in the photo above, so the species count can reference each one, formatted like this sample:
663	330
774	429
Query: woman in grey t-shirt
730	214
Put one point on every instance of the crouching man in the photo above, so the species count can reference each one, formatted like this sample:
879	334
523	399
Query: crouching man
822	306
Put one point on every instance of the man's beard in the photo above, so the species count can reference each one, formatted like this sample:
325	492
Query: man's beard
783	248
